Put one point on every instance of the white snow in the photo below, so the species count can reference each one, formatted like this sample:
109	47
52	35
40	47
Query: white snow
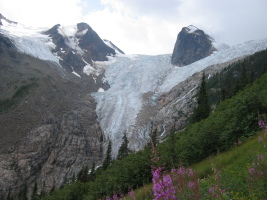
130	77
75	73
88	69
192	29
81	33
101	90
29	40
67	31
108	43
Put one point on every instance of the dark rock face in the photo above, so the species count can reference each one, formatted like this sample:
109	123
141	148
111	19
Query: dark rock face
78	50
191	45
9	21
114	46
93	44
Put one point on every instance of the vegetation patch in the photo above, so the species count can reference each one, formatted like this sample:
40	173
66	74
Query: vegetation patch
21	92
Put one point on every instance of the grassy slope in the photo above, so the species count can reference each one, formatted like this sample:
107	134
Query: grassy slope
234	168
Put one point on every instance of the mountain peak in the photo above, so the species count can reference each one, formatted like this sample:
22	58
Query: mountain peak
191	28
192	44
7	20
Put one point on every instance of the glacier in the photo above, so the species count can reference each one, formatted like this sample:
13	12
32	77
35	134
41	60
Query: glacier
30	40
131	76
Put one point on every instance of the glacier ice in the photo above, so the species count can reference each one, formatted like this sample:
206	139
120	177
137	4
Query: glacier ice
30	41
131	76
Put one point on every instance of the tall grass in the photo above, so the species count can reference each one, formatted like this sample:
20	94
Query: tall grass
240	173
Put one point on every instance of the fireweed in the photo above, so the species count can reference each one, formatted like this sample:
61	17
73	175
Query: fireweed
216	190
258	169
182	183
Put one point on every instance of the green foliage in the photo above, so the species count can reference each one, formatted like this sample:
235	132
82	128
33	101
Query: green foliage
108	158
34	195
236	77
124	151
83	175
131	172
233	120
23	192
153	138
203	109
92	174
75	191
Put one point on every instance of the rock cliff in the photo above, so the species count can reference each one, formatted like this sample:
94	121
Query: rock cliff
48	124
192	44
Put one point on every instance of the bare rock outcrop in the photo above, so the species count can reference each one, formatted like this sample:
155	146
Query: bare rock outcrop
192	44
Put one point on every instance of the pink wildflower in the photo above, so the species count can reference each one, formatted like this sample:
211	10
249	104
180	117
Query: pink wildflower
260	139
260	157
252	170
211	189
115	197
189	172
191	184
181	171
131	194
261	124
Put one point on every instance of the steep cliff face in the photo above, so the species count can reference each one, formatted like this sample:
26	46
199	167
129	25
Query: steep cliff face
49	127
191	45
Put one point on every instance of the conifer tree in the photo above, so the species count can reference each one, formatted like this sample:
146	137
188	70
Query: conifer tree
23	192
202	110
108	158
64	183
244	76
42	193
34	195
153	140
124	150
83	175
9	196
92	172
73	178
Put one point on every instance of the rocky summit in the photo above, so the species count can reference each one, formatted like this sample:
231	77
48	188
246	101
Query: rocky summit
192	44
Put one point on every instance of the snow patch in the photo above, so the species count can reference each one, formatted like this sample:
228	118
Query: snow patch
81	33
67	31
30	41
101	90
192	29
75	73
108	43
88	69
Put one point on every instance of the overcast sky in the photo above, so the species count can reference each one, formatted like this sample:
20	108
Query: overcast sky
147	26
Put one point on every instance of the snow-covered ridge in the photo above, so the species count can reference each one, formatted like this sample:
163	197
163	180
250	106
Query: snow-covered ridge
29	40
130	77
